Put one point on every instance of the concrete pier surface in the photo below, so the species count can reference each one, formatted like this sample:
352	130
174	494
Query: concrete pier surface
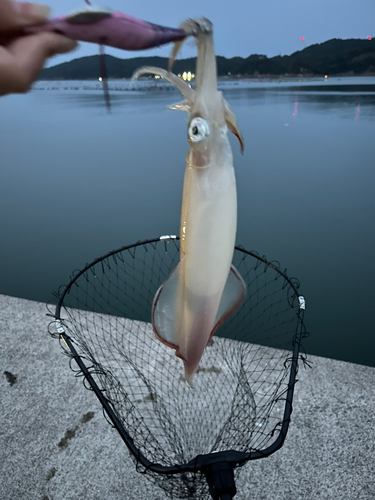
56	445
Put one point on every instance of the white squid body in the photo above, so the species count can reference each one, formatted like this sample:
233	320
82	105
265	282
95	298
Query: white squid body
204	289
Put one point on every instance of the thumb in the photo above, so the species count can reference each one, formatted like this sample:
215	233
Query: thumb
30	13
26	57
18	14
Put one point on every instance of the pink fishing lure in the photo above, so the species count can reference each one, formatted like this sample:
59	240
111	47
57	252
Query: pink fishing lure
114	29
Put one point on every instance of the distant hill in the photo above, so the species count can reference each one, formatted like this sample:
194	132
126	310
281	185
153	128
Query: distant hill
336	56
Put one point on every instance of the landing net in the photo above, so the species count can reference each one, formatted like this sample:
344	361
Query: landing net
238	399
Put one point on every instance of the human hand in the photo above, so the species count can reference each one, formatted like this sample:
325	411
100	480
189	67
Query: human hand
22	58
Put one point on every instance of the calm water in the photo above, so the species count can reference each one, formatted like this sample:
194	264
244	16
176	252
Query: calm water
76	182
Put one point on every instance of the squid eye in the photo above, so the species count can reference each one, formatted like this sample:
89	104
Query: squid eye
198	129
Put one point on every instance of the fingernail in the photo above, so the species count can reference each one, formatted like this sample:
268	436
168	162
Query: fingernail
32	11
39	10
63	44
67	46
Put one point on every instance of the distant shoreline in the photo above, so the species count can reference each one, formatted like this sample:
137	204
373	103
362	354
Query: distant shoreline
335	57
293	75
226	77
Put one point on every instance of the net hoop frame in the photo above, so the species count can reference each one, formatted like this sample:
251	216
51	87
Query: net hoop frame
200	462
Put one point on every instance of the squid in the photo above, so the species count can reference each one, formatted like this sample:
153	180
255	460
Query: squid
204	289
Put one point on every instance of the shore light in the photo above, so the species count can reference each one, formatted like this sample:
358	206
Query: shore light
187	75
100	79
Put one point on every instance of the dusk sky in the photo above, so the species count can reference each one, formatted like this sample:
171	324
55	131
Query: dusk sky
242	27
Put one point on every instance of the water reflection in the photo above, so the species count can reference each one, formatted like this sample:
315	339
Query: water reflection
295	108
77	182
357	112
344	103
339	93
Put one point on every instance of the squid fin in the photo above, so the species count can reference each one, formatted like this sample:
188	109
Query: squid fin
233	296
164	309
165	305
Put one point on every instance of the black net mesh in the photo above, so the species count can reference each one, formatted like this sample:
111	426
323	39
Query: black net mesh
238	397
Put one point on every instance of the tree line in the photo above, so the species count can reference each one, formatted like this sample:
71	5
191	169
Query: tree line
333	57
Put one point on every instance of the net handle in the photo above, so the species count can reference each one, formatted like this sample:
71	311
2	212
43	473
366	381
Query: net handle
220	479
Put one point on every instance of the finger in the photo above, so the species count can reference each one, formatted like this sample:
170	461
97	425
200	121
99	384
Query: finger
27	56
8	14
17	14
